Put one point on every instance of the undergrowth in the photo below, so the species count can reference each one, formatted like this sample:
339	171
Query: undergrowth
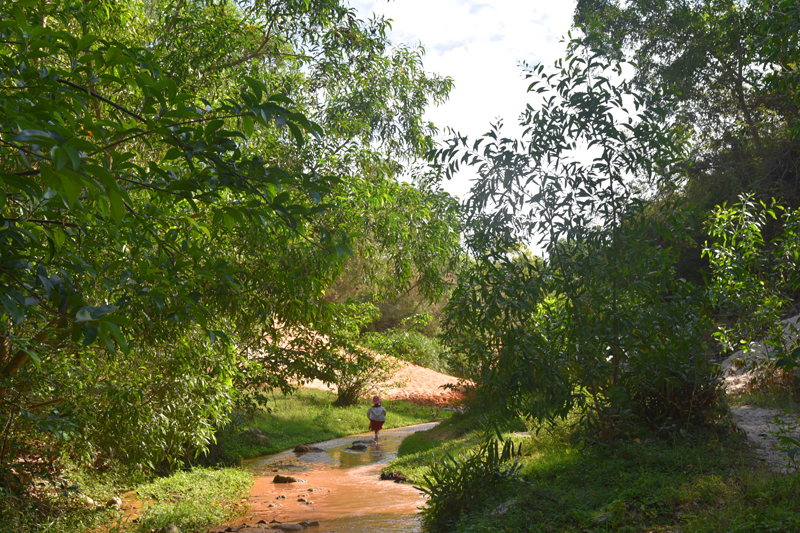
768	397
414	347
707	481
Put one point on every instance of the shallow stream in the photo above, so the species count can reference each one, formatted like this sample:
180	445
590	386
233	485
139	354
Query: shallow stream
342	488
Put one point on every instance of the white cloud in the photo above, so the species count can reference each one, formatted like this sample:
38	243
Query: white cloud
478	44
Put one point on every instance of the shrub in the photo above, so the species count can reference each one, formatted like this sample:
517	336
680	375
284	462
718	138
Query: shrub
455	485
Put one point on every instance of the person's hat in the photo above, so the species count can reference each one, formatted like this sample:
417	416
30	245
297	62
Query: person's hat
376	399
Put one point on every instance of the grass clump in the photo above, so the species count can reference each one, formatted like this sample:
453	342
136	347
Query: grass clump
767	397
195	499
58	496
701	484
204	483
458	434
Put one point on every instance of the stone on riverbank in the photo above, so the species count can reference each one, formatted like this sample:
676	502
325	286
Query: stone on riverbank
303	448
115	502
254	436
397	477
287	479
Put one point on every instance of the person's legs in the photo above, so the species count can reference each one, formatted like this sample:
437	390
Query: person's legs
377	432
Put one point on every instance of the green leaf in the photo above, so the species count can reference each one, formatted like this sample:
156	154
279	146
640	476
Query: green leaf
13	310
19	16
247	123
89	334
117	204
43	138
297	134
115	331
83	315
256	86
70	188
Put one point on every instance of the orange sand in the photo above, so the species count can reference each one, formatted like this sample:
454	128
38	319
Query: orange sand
423	386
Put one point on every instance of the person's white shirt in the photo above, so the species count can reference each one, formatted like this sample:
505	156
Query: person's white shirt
378	414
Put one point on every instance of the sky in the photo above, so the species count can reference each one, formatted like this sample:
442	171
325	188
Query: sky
479	45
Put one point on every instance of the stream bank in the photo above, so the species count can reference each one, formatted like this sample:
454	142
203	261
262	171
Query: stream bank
341	488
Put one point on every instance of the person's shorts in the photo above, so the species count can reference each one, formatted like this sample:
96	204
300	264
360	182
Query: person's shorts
374	425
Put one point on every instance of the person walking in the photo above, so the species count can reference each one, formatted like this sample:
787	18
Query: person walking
377	416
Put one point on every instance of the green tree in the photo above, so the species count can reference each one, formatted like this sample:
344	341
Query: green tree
724	71
702	55
166	221
755	275
601	325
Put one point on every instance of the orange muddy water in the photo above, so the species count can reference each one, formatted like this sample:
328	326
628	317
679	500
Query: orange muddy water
342	489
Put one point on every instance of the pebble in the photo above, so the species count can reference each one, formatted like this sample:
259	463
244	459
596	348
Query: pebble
260	525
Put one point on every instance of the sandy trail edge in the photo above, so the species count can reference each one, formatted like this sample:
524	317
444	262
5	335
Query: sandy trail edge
759	426
756	422
423	386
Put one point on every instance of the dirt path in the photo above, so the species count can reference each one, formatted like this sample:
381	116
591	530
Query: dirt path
759	426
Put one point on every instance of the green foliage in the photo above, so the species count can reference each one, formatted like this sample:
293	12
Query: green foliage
197	483
703	483
786	435
454	485
171	221
117	184
781	47
727	72
754	277
701	56
696	486
600	324
360	370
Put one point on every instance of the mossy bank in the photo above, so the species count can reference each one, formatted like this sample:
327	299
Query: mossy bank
709	480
